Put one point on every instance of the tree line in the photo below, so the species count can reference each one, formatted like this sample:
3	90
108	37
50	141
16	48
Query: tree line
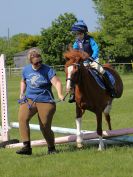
114	35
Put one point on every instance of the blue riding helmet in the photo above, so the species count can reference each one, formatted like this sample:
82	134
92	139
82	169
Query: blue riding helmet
79	26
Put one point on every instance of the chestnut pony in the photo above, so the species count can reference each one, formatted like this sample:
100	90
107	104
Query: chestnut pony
88	94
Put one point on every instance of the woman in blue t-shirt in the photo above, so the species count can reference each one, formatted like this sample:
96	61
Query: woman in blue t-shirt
36	97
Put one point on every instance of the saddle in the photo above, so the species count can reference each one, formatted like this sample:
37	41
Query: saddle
99	78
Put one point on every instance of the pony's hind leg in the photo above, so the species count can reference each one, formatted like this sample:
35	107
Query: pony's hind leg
79	139
108	120
107	116
101	144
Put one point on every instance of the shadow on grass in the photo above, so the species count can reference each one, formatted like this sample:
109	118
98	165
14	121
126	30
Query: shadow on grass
71	148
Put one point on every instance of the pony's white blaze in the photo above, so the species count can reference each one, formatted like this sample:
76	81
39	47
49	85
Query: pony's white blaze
68	84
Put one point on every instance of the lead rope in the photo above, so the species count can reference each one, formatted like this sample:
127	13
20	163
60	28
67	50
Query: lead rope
25	99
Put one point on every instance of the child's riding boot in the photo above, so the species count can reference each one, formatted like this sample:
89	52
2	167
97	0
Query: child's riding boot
109	85
26	150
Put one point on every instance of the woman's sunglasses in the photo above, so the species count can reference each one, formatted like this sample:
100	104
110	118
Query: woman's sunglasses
37	63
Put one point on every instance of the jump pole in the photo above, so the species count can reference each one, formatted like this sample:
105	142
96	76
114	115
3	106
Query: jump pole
4	106
62	130
72	138
72	131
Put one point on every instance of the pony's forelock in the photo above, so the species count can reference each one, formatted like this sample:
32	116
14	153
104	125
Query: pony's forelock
75	56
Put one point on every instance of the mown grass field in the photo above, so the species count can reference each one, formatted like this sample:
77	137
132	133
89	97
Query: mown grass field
115	161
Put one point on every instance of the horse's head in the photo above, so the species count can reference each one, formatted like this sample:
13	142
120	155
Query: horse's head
74	61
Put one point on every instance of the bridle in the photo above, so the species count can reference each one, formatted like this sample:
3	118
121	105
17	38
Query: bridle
79	70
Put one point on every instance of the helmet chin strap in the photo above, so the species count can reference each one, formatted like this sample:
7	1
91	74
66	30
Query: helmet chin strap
80	36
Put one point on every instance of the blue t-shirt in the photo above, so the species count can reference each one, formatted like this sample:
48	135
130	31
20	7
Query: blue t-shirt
38	83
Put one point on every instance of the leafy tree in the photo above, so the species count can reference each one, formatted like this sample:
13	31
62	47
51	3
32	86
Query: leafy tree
3	44
116	28
56	38
29	42
7	50
15	41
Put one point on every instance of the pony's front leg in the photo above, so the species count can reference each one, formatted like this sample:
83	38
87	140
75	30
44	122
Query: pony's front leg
99	131
79	113
79	139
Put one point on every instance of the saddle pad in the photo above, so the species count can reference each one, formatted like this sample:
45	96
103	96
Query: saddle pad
99	79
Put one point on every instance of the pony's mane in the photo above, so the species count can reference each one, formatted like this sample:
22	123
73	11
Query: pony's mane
74	56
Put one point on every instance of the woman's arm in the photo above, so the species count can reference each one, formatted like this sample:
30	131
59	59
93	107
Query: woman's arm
58	85
22	88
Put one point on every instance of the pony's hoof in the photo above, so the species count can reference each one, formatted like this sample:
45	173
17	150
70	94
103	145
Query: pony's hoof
79	145
101	149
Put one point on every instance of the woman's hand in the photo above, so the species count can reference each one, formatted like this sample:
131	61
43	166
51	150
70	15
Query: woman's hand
22	95
61	97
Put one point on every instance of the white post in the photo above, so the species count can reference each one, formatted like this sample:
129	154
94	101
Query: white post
3	91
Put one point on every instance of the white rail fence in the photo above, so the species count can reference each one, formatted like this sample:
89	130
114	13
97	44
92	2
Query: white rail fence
17	71
120	67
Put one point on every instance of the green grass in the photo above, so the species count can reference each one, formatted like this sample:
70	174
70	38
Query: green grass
115	161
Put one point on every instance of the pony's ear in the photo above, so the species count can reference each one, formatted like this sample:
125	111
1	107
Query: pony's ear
70	47
67	59
65	56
